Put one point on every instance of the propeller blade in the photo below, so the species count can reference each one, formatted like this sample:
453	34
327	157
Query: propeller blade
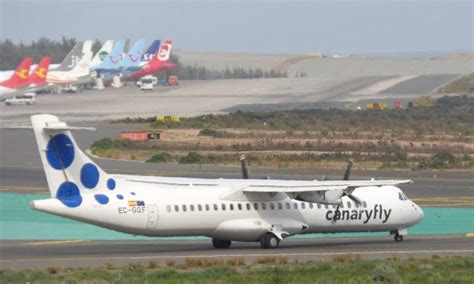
353	198
347	173
243	164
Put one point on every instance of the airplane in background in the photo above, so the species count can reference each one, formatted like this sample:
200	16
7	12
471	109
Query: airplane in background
31	82
19	79
226	210
103	52
158	63
152	49
111	62
75	68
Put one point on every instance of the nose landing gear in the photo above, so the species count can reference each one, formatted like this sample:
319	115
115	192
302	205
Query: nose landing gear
398	235
398	238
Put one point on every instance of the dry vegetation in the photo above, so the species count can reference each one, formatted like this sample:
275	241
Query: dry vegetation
439	136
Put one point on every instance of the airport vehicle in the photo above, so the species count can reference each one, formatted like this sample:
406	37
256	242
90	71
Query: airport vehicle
173	81
33	82
159	62
19	79
249	210
147	83
24	99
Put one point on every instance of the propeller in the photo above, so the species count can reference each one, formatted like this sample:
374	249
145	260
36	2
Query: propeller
347	174
245	169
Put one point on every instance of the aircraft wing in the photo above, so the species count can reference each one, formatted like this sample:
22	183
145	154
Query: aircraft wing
321	186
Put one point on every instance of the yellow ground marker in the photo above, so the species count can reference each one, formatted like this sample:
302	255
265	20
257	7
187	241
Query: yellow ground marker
54	242
470	235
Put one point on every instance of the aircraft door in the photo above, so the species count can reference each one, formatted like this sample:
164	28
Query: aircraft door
152	216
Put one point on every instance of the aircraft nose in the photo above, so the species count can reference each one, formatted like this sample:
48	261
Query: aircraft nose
420	212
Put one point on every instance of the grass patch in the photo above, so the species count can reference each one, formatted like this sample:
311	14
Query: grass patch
348	269
462	85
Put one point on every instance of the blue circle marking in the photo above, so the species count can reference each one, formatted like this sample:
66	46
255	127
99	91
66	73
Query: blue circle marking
120	196
89	175
101	198
111	184
68	193
60	151
132	193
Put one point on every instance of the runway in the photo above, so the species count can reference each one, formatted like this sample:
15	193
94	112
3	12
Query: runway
42	254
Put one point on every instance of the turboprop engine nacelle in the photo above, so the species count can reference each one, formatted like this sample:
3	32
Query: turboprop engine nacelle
323	197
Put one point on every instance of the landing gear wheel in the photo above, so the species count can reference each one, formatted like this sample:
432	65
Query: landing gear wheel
269	241
398	238
221	244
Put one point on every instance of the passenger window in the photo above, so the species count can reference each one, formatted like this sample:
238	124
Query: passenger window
326	206
334	206
264	206
349	204
272	206
341	205
280	206
319	205
216	207
364	204
223	207
184	208
168	208
191	207
303	205
288	205
311	205
231	206
199	207
207	207
255	206
239	206
248	206
176	208
295	205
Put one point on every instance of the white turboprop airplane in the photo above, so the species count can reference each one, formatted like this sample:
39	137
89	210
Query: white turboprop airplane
226	210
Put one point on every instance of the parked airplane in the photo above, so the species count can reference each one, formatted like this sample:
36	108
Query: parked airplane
152	49
103	52
17	80
159	62
111	62
226	210
34	82
75	68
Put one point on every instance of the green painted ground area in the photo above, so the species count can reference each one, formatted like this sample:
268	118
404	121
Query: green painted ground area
19	222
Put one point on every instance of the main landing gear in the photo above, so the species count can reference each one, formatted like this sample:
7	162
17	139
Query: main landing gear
398	238
269	241
221	244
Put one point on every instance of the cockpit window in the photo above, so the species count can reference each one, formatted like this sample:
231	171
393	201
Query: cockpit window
402	196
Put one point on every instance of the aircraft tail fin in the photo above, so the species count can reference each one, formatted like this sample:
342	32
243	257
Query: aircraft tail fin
114	57
82	67
103	52
152	49
164	52
20	77
74	56
133	56
70	173
38	77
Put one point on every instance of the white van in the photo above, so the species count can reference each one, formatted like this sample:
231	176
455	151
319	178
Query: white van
25	99
147	83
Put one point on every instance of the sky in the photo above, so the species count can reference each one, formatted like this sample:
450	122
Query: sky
361	27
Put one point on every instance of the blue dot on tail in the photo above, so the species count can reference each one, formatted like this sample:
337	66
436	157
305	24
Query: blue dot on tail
132	193
102	199
89	175
60	151
69	195
120	196
111	184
